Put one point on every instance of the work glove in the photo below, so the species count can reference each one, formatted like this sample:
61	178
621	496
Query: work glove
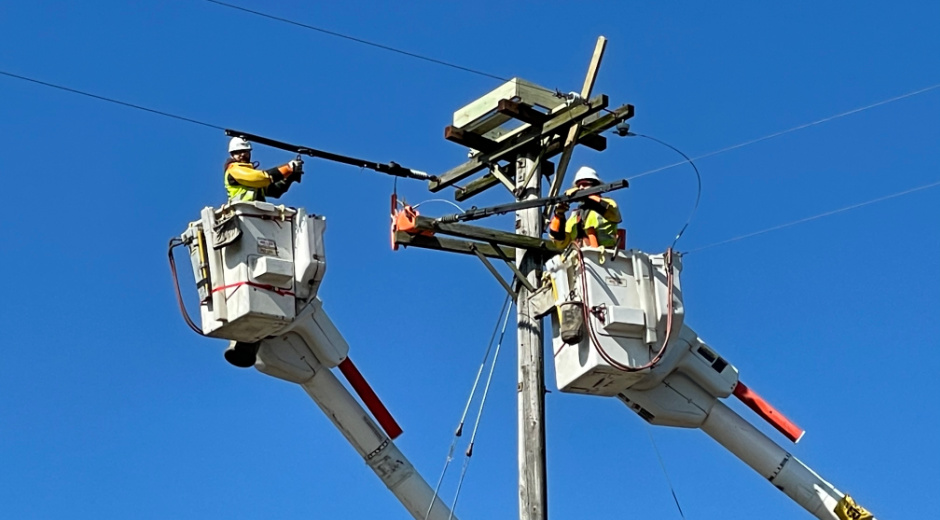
297	166
561	208
572	191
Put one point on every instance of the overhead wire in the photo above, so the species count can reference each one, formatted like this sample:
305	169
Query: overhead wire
642	174
789	130
385	47
441	200
358	40
569	97
112	100
698	177
814	217
458	432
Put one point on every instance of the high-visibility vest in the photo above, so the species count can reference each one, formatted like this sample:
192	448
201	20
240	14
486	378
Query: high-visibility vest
238	192
581	219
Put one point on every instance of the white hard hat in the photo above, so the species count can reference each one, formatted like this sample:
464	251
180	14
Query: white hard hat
238	144
586	173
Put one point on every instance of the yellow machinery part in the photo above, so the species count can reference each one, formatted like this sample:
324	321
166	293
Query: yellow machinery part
847	509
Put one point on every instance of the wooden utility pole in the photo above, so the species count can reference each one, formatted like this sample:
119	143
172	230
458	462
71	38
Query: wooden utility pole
533	492
512	133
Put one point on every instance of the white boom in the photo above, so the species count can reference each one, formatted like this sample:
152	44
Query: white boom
617	327
258	268
617	323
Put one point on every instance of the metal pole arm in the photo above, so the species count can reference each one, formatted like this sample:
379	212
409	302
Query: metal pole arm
391	168
478	213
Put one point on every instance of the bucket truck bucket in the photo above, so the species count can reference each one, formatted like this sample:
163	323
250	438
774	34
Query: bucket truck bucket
625	303
257	266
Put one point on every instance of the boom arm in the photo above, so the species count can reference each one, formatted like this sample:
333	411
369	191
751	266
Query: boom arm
683	399
258	268
618	327
289	356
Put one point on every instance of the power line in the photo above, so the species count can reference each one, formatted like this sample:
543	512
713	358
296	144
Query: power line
558	92
382	46
814	217
360	40
698	178
112	100
375	44
691	160
789	130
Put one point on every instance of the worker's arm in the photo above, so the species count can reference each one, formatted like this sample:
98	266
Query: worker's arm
556	227
247	176
278	188
604	207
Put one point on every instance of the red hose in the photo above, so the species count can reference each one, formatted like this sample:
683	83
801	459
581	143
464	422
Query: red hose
594	340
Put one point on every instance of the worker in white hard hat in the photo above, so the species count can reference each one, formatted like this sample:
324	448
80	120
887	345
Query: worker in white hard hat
244	182
593	224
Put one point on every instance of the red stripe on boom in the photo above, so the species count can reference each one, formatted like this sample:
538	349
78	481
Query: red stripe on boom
372	401
768	412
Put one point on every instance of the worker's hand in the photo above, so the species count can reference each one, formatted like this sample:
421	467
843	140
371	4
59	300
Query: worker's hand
572	191
297	166
561	208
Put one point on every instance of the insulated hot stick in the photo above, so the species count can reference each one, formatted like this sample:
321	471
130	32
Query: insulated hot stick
390	168
478	213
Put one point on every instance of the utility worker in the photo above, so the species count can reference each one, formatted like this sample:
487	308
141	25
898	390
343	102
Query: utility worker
593	224
244	182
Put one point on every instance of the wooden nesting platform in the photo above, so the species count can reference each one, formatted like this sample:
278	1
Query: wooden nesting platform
516	118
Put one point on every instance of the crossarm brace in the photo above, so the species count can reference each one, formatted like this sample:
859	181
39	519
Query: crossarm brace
494	272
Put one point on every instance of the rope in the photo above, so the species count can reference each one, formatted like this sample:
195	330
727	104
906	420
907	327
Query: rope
814	217
662	464
463	416
476	424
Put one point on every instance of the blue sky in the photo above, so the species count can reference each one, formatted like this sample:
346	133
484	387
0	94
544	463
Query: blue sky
112	408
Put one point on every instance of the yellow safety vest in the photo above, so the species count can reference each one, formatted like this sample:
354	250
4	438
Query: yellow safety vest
586	219
241	192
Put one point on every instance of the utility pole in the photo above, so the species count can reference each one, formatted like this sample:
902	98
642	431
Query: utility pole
533	492
512	133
